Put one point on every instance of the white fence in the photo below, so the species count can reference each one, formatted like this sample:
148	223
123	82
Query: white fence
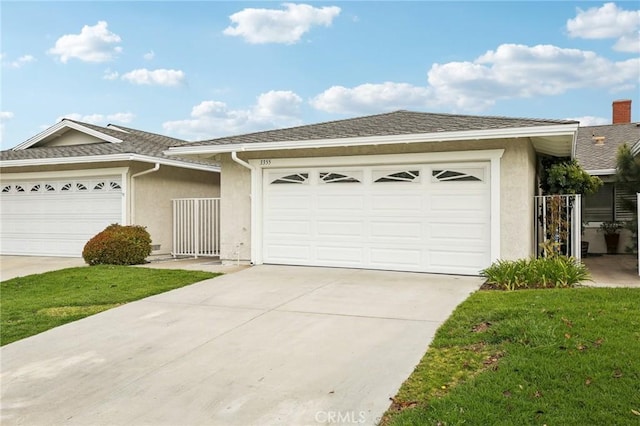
559	224
196	227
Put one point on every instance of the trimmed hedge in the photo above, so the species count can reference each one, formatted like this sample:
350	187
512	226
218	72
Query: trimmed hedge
118	245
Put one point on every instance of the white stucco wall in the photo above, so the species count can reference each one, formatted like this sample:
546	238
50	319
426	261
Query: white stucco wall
597	243
151	196
517	176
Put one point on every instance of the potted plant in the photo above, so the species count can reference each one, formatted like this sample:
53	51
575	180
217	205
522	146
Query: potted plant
611	231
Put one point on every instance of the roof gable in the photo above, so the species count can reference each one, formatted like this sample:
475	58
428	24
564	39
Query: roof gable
69	132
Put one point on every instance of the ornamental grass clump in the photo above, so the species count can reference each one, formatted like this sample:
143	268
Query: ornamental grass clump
544	272
118	245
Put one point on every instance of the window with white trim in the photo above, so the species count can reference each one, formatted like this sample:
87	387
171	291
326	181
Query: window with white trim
292	178
341	177
382	176
458	175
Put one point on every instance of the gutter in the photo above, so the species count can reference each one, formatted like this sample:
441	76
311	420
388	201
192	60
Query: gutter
517	132
105	159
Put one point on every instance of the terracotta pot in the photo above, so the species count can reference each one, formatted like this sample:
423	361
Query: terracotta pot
612	241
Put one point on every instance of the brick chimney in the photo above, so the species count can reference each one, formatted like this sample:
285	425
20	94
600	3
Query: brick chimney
622	111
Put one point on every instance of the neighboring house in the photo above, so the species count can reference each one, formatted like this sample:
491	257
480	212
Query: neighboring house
596	150
405	191
69	182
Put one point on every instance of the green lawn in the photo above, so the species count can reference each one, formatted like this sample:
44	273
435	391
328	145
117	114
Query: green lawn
530	357
35	303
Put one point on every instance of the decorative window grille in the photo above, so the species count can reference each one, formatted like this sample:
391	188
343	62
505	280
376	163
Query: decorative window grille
99	186
403	176
6	188
66	187
293	178
19	188
444	175
333	177
35	188
115	185
49	188
81	186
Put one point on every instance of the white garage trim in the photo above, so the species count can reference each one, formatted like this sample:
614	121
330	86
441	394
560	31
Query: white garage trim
260	165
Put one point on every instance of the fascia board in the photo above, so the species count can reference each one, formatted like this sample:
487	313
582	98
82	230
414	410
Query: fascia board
105	159
61	125
519	132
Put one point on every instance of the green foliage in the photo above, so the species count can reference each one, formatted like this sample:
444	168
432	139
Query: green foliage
566	176
39	302
545	272
118	245
609	228
628	178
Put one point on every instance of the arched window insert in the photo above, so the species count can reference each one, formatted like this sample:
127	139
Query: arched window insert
404	176
456	176
293	178
332	177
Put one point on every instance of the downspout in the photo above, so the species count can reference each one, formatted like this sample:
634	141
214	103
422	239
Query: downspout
132	199
234	157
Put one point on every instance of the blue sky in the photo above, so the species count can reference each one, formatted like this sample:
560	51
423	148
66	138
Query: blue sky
199	70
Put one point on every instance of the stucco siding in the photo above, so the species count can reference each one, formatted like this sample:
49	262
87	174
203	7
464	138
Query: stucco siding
151	196
235	212
517	177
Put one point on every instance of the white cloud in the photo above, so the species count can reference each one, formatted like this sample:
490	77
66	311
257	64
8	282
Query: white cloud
608	21
518	71
18	63
209	119
589	120
120	117
149	55
159	77
110	75
287	26
511	71
371	98
93	44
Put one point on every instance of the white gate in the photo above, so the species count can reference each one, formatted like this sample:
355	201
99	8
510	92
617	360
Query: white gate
558	224
196	227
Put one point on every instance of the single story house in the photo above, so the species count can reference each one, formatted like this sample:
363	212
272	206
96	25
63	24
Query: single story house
407	191
70	181
596	151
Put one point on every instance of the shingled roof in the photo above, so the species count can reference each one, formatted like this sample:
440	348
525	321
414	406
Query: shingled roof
387	124
134	141
594	156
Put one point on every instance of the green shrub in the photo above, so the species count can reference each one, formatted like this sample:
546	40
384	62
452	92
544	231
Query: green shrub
118	245
544	272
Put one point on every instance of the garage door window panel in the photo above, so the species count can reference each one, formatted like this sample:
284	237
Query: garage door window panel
457	175
404	176
290	178
341	177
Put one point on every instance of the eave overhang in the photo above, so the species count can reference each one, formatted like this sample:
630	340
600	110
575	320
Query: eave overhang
555	140
106	159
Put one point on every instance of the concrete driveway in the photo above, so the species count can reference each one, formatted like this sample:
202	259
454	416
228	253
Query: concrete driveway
20	266
269	345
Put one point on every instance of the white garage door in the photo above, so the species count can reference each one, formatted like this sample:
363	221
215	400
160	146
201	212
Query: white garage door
57	217
422	217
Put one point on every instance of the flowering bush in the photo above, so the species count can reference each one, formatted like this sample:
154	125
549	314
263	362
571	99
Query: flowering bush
118	245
